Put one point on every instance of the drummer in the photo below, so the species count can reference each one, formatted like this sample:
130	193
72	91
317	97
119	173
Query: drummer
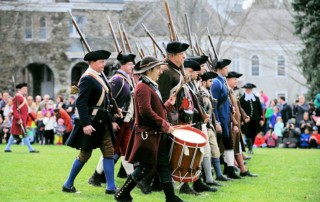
147	144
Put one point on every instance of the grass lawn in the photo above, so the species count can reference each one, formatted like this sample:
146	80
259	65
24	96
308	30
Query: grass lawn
284	175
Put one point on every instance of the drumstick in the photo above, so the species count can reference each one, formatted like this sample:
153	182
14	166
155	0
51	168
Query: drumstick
182	126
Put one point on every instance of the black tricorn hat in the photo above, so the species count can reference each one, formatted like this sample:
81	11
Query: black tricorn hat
97	55
208	75
176	47
124	58
234	74
136	67
222	63
249	85
147	63
188	63
21	85
200	59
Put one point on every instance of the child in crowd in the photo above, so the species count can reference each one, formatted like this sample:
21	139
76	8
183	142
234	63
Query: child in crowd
5	128
314	140
278	128
271	139
304	138
259	141
274	116
60	130
49	122
40	128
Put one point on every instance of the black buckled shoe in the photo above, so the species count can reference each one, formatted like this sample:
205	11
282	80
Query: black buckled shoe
231	173
94	180
72	189
185	189
248	174
34	151
223	178
199	186
7	150
214	183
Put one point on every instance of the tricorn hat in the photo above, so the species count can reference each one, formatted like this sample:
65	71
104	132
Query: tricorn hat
136	67
21	85
234	74
208	75
176	47
124	58
147	63
249	85
188	63
97	55
200	59
222	63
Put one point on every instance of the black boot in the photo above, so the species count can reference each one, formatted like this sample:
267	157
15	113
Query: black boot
94	180
123	194
156	184
231	173
122	172
199	186
169	192
145	185
249	144
103	178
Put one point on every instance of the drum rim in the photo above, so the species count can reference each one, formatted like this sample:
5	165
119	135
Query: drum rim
191	144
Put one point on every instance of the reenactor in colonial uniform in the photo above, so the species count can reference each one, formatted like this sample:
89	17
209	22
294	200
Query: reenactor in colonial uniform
20	116
239	117
94	129
148	143
250	103
208	103
222	111
122	91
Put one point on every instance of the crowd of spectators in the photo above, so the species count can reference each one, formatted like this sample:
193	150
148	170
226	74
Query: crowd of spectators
49	121
287	125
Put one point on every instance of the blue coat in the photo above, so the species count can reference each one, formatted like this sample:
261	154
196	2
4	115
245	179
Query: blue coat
222	106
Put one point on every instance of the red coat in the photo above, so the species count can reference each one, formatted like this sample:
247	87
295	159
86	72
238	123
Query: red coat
150	117
18	100
66	118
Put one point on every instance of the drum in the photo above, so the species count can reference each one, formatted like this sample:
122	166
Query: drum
186	152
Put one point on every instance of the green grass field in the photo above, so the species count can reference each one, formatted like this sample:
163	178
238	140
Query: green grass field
284	175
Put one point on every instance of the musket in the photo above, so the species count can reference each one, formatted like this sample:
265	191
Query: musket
153	40
189	34
155	50
115	41
172	28
211	43
140	53
126	38
121	39
82	39
23	129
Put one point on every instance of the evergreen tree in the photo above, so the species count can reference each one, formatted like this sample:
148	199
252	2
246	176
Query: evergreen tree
307	27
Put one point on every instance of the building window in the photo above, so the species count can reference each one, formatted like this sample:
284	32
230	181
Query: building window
255	66
72	30
28	28
281	66
43	28
236	62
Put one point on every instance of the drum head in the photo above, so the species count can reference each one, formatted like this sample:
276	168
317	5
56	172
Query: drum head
190	136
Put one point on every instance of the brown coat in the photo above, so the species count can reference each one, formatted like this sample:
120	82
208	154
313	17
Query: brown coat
238	117
150	118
